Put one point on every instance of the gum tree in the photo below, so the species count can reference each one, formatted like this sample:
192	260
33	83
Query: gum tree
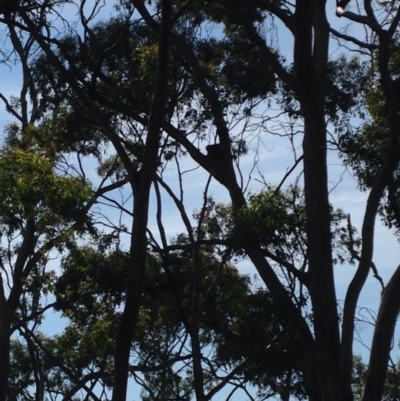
230	74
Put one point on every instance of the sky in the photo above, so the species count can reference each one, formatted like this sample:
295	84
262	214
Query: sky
274	159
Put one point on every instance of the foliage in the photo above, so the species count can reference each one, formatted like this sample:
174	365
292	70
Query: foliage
114	118
31	189
365	149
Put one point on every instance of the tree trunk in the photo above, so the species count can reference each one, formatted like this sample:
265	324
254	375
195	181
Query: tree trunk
310	65
138	249
382	340
321	287
4	356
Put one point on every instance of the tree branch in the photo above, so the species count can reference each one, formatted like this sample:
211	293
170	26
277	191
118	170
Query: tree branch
362	19
357	42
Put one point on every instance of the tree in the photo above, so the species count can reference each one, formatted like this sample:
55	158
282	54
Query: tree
217	74
32	224
44	208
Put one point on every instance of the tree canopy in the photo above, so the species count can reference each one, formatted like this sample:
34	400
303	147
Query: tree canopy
156	149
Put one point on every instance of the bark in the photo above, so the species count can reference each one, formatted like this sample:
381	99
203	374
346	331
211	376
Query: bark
310	62
138	248
321	287
5	362
197	366
5	333
382	340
